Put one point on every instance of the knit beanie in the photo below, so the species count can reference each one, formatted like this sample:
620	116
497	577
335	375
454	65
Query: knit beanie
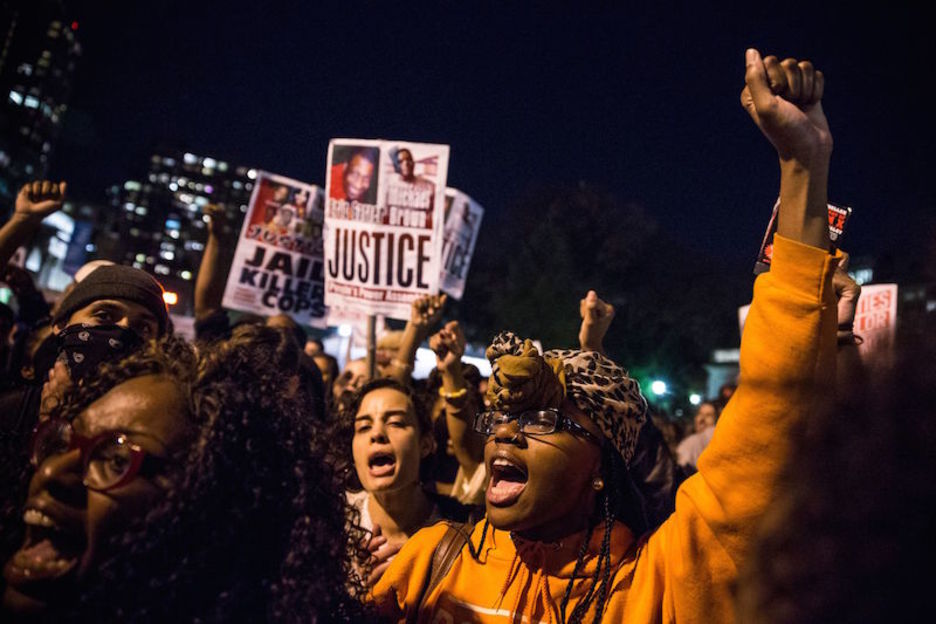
116	282
522	379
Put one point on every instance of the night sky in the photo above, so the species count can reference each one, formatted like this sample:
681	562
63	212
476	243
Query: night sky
642	102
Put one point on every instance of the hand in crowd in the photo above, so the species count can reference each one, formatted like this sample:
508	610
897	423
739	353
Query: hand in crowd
785	101
381	552
449	346
39	199
847	292
218	222
596	319
426	311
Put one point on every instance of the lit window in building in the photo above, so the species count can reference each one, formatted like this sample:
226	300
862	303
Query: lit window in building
169	162
167	255
237	184
167	245
222	166
140	258
201	201
209	189
174	233
16	97
162	269
137	265
209	163
129	207
173	186
132	185
134	231
25	68
190	159
173	224
243	208
90	247
186	275
30	102
248	186
163	177
152	177
140	210
150	259
252	174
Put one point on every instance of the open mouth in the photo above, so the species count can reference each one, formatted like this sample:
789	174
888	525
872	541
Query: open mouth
381	464
48	552
508	480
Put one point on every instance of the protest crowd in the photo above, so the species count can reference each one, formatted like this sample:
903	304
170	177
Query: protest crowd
242	476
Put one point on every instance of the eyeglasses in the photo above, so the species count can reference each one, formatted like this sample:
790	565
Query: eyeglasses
532	422
109	459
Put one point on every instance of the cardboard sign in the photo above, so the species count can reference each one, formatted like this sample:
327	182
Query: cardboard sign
838	217
462	223
384	214
278	264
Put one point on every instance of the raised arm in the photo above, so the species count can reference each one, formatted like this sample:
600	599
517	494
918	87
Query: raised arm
596	318
787	358
212	273
460	406
425	312
35	201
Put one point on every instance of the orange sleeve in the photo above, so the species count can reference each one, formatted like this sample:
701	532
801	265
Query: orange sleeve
787	363
400	589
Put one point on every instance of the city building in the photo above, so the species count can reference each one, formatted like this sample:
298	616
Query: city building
39	51
156	222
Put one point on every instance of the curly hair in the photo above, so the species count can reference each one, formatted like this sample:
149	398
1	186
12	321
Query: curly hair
254	528
341	427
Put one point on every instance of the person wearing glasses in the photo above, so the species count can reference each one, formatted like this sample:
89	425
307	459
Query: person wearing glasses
556	544
181	487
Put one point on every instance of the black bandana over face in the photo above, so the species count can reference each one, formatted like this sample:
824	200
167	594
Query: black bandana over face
84	347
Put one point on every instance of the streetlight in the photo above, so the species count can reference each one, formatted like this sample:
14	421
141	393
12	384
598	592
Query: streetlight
658	387
695	398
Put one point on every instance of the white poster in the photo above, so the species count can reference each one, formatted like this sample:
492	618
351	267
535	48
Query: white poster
383	224
277	266
876	322
462	223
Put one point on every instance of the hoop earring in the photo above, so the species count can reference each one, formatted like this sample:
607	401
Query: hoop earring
597	484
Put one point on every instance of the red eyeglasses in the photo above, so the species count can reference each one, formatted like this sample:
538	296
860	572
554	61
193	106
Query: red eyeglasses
108	459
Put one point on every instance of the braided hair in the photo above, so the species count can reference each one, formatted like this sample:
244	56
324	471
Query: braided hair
615	503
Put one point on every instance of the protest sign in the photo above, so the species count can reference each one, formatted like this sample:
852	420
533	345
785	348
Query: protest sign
383	224
277	265
838	217
876	322
462	222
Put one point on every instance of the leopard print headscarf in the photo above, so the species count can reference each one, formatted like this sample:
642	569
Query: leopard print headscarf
521	379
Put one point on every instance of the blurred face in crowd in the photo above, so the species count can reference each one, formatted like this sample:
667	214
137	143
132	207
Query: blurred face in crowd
324	364
407	166
357	177
126	314
540	485
388	444
353	377
705	417
68	523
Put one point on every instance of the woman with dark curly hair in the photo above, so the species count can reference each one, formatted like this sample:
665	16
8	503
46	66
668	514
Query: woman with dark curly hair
387	429
177	487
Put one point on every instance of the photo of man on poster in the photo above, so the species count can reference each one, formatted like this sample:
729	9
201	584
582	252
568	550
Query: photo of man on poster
354	174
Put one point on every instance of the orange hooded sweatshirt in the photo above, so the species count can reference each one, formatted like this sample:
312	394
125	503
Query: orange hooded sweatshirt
683	571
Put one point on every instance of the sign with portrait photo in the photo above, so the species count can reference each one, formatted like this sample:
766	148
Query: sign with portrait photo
278	266
384	212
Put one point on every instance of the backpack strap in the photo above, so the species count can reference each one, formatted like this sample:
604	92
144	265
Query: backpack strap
457	534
